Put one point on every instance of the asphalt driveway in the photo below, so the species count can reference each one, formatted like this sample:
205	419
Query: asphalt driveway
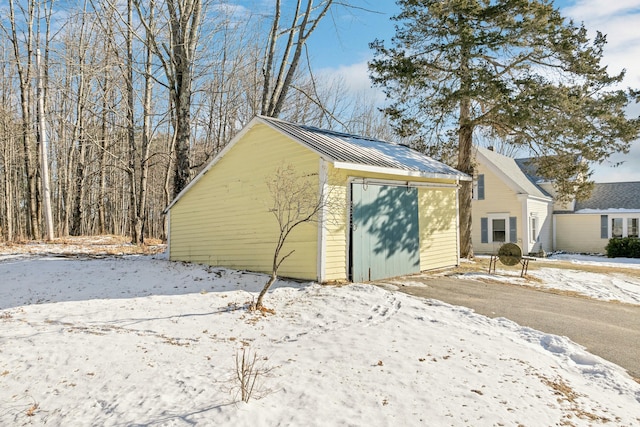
608	329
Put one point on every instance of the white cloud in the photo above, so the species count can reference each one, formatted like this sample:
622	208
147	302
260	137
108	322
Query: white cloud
353	76
594	9
619	21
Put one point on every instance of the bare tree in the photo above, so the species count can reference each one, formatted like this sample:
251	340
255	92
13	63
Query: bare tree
278	75
177	56
147	136
79	129
44	159
23	55
131	103
296	199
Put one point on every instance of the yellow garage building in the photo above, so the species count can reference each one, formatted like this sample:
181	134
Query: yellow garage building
393	210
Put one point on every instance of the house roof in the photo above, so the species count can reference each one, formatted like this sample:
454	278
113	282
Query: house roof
516	171
529	168
612	196
348	151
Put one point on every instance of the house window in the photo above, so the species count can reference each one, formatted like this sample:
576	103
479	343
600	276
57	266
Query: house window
619	227
494	228
616	227
499	230
632	227
534	229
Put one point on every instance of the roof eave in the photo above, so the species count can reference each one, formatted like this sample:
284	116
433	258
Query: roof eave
401	172
508	180
215	160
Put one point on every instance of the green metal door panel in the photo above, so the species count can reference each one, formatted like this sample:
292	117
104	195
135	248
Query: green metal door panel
385	237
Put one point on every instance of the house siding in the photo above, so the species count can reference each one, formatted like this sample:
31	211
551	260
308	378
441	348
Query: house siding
579	233
542	211
224	218
337	228
499	199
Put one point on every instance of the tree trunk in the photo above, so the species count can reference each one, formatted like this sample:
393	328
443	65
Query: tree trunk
102	160
167	183
28	145
272	279
465	165
141	217
131	135
183	134
78	138
8	186
465	159
44	159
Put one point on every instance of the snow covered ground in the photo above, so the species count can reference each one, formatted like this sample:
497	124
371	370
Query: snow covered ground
139	340
621	284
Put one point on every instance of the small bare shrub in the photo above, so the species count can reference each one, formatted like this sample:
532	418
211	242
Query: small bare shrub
250	373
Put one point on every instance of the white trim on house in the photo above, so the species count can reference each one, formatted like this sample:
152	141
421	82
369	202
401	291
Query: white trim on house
215	160
493	216
605	212
536	198
397	172
625	217
398	183
322	215
168	228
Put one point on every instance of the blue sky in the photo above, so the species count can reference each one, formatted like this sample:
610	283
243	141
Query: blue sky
340	46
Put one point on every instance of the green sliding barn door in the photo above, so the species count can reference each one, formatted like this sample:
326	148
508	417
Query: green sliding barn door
385	240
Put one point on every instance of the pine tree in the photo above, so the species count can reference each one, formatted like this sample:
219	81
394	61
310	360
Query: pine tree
509	69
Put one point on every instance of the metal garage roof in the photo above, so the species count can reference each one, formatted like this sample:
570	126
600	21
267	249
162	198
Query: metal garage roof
350	151
347	151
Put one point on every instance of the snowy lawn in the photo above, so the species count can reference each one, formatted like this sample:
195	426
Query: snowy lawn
599	277
139	340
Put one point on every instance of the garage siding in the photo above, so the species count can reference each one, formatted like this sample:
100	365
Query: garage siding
438	228
337	228
224	218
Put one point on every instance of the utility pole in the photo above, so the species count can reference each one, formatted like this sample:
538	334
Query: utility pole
44	166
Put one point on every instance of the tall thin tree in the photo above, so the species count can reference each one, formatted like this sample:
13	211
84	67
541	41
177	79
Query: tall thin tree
279	73
183	18
44	158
